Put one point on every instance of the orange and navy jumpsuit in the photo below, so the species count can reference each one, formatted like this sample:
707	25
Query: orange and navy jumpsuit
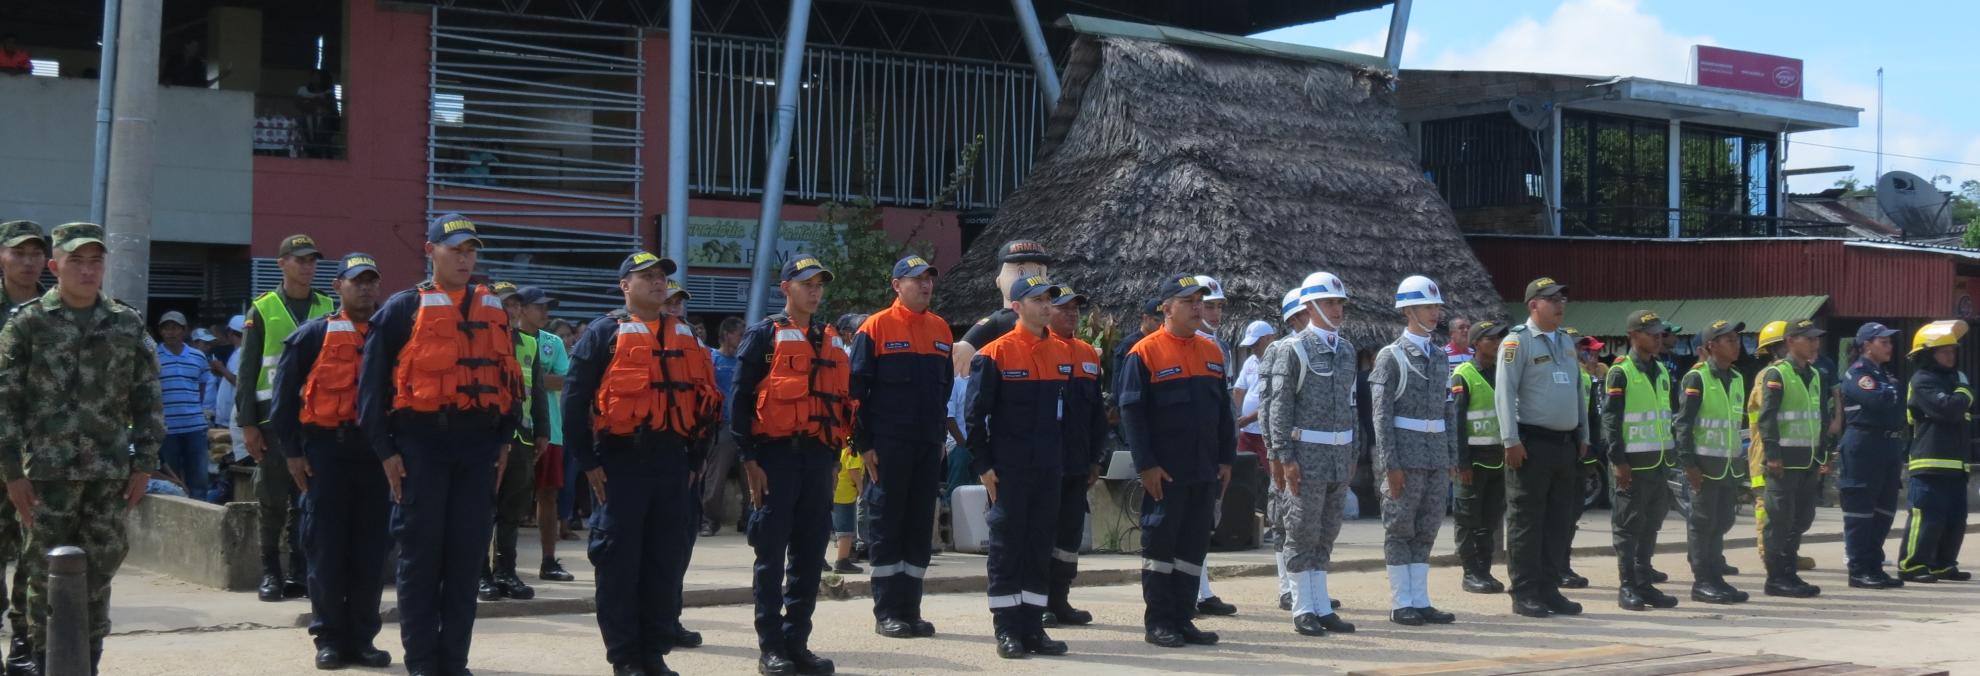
1176	414
1015	408
1086	431
900	381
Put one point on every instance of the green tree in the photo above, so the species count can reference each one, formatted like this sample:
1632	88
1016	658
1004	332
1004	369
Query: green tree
1965	209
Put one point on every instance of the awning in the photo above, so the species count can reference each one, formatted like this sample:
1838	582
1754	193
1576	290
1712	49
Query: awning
1607	318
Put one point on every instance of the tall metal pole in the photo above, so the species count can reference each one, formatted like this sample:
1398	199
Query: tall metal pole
680	89
1398	26
127	218
789	83
106	75
1880	128
1041	57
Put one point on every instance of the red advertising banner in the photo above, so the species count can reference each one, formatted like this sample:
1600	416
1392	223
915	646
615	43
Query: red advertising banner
1746	71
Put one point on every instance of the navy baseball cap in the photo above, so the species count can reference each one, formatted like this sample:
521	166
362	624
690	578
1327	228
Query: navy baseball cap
805	266
641	260
1185	284
355	264
531	295
1032	286
1152	308
1068	295
1872	331
912	266
451	230
675	289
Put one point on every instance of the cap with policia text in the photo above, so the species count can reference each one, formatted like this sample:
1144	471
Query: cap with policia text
298	246
1719	328
1486	329
16	233
642	260
72	236
451	230
1032	286
805	266
356	264
912	266
1647	322
503	290
1545	286
1804	329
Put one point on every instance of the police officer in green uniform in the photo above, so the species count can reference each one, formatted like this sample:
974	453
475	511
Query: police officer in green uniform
1711	415
1791	419
273	316
81	367
1481	464
21	264
1636	423
1543	426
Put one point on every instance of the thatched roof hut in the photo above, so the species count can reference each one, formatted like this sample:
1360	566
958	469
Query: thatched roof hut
1255	166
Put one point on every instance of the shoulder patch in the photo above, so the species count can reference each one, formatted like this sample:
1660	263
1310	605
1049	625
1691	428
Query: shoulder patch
1164	373
1090	368
1615	391
942	346
1065	369
1866	382
1216	366
1773	384
1691	392
1457	389
1017	373
982	321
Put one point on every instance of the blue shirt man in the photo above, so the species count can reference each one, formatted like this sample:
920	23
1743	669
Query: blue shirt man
182	376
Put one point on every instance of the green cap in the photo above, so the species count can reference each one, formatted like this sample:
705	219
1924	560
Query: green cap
13	233
72	236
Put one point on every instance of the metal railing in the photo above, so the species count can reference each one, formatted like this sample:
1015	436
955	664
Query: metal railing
295	126
1655	223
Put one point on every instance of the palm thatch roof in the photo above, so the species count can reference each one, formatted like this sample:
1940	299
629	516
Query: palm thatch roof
1163	158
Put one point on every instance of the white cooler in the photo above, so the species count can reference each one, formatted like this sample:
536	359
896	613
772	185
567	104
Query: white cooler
969	508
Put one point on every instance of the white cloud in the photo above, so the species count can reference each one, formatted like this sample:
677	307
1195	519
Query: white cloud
1905	133
1583	37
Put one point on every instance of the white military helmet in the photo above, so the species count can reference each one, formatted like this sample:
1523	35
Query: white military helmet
1291	305
1321	285
1215	288
1418	290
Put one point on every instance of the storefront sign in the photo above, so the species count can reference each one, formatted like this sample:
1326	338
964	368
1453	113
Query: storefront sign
731	242
1745	71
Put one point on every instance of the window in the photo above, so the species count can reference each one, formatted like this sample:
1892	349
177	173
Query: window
1726	180
1483	161
1615	175
45	67
448	109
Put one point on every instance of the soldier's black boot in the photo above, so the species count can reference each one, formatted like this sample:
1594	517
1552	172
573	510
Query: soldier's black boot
1709	591
271	578
1478	579
1627	596
18	650
1062	611
490	591
505	577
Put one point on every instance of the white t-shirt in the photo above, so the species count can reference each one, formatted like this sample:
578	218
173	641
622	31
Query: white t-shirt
1247	380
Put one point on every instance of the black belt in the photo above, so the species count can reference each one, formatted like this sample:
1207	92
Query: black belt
797	443
644	438
342	431
448	420
1894	434
1526	430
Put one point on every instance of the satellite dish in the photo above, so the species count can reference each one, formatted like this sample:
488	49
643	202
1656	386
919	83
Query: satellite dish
1530	112
1912	203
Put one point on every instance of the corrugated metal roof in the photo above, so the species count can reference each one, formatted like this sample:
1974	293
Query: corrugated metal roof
1608	318
1232	43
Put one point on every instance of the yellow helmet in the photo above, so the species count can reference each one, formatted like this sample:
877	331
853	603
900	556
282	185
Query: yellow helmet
1774	332
1938	334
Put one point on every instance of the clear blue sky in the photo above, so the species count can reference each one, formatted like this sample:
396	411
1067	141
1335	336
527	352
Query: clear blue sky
1927	50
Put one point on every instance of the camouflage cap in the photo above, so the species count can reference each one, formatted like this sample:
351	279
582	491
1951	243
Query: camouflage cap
15	233
72	236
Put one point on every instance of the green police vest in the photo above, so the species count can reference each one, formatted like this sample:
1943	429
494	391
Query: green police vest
1800	418
1646	419
526	355
276	325
1719	429
1481	416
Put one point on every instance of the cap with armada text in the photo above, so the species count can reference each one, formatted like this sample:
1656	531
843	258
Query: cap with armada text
805	266
1721	327
1804	329
298	246
1545	286
355	264
451	230
1023	251
641	260
1647	322
72	236
1032	286
912	266
16	233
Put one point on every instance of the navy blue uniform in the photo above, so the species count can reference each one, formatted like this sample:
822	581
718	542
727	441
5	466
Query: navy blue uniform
901	377
446	511
1176	412
345	511
1872	462
1085	428
1016	402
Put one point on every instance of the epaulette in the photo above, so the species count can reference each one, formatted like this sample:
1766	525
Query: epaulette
1516	328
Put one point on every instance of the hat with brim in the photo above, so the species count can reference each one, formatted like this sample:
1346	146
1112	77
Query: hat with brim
1256	331
298	246
452	230
675	289
1486	329
73	236
912	266
805	266
1543	287
641	260
503	290
1152	308
1719	328
1805	329
1068	295
203	334
1181	285
16	233
173	317
531	295
1872	331
1023	251
1033	286
355	264
1646	321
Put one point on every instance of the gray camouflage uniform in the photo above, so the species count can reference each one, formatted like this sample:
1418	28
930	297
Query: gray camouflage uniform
1415	393
1319	407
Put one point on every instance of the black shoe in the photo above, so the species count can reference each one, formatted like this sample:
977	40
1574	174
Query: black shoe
684	638
1569	580
1530	608
1432	615
709	528
1952	575
1194	636
328	659
893	628
1482	583
369	657
1308	624
1736	595
629	670
1558	604
1728	569
513	587
489	590
658	667
1789	589
773	663
1653	576
846	567
1066	614
1037	643
1706	592
1657	598
553	571
923	628
271	588
19	665
1163	638
1920	577
1888	581
1866	581
1215	606
1009	647
1810	590
1285	601
1628	598
1407	617
809	662
295	588
1333	622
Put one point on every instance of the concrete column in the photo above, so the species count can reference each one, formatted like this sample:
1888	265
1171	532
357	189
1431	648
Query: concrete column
128	203
680	73
1554	200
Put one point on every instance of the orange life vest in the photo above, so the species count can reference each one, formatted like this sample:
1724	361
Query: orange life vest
661	383
456	362
329	396
805	393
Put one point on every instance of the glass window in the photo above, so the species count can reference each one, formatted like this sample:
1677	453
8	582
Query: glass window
1727	183
1614	176
1483	161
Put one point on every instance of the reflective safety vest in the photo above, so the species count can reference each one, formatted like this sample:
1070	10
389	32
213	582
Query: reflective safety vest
459	358
1719	429
662	383
805	393
1646	417
1481	414
329	397
276	325
1800	418
526	366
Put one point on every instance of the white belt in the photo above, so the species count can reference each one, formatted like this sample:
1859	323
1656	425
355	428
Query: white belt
1324	438
1420	425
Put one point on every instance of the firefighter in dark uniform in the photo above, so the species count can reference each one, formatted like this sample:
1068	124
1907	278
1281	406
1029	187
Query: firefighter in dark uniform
1480	509
791	417
1085	426
1707	431
346	505
1940	400
439	394
1015	407
640	398
1636	423
901	377
1791	419
1175	410
1872	456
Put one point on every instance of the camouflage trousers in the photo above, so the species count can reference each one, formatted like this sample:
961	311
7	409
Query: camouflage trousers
87	514
1311	521
1411	521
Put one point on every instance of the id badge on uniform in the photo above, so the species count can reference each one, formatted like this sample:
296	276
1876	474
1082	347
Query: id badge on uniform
1560	378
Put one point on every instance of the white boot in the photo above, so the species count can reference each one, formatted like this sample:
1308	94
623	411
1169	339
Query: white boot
1323	605
1285	581
1400	594
1419	582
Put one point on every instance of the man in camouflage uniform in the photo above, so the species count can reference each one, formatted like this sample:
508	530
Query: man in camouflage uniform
1310	439
22	262
81	366
1415	448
